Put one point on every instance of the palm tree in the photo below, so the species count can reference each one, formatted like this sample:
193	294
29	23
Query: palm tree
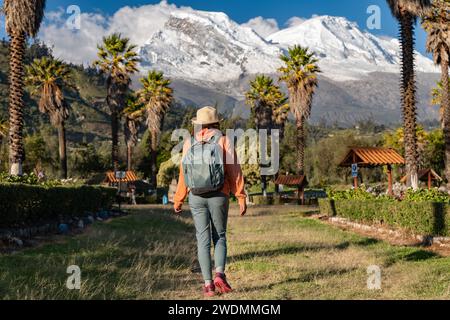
23	19
263	96
280	115
157	96
134	112
117	59
48	77
437	24
406	12
300	75
269	107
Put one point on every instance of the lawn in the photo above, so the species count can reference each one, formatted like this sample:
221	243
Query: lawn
274	253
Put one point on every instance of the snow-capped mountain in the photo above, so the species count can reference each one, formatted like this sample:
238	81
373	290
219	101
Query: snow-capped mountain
211	59
344	50
208	47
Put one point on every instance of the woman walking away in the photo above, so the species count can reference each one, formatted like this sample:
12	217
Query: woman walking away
209	172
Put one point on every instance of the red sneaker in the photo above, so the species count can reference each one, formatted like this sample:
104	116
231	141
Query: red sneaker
220	281
209	290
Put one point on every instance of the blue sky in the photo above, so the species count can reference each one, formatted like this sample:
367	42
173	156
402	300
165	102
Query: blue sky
243	10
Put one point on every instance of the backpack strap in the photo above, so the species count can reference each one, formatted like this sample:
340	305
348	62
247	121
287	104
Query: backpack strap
215	138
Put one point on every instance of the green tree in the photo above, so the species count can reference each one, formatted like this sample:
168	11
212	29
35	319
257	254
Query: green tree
300	75
85	160
22	19
436	97
263	96
437	24
396	140
117	59
48	77
406	12
434	151
157	96
38	154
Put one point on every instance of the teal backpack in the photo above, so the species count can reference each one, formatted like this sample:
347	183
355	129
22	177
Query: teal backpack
203	166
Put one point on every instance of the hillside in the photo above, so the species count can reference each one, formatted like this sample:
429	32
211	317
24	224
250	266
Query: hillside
88	120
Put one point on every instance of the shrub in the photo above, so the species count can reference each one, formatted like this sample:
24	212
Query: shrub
356	194
22	204
421	217
433	195
168	171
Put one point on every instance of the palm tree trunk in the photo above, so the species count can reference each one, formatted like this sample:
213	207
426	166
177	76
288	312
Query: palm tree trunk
62	149
16	150
301	146
129	157
409	99
153	158
446	121
115	140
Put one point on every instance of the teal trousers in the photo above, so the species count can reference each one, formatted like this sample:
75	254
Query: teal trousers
210	214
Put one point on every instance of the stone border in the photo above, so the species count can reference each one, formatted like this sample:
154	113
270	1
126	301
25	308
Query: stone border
26	236
425	239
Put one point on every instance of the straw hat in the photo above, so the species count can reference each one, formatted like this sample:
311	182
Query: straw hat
206	115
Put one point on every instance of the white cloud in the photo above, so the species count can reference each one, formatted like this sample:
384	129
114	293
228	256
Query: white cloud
80	46
294	21
263	27
136	23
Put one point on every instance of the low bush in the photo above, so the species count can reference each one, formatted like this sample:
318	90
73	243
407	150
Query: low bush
419	217
356	194
433	195
23	204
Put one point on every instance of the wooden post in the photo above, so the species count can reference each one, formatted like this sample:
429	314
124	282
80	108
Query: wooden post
301	194
355	179
429	180
389	172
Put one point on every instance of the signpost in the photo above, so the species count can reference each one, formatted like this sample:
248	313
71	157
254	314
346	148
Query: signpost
120	175
355	174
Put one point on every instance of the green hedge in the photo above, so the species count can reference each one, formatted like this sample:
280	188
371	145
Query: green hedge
22	204
422	217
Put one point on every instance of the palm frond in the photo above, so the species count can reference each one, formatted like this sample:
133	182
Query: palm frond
157	96
23	16
437	25
47	77
412	7
299	72
117	57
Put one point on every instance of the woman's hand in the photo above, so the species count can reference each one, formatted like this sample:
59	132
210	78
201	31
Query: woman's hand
177	207
243	208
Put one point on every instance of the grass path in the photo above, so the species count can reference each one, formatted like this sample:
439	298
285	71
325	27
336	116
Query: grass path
274	253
